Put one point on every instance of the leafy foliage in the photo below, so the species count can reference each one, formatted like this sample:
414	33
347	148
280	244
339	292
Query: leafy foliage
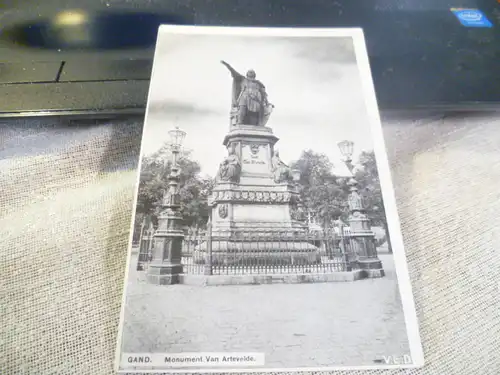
326	195
371	191
369	187
320	191
194	190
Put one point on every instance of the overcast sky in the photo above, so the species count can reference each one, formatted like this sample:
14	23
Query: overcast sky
314	84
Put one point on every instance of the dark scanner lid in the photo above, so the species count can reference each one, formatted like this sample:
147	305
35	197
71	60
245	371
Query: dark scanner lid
420	54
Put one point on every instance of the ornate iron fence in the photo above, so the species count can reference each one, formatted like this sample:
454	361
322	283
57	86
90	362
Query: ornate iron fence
146	242
259	252
266	252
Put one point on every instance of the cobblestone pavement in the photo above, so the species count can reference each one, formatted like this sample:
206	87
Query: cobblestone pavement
295	325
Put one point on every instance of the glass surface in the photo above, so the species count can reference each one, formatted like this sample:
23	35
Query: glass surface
420	53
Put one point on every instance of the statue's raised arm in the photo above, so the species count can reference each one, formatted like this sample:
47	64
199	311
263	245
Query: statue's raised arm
234	72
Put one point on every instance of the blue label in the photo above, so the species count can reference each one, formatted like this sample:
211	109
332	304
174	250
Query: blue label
471	17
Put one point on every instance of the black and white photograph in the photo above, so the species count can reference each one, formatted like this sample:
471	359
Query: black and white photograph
265	233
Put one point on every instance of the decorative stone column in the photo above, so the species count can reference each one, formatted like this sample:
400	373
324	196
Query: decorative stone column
166	266
361	238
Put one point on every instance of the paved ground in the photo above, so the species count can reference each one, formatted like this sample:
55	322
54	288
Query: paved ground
300	325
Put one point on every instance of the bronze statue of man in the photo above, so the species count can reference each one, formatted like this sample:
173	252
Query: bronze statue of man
249	98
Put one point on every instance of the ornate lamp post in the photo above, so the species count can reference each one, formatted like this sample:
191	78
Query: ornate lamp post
362	238
166	266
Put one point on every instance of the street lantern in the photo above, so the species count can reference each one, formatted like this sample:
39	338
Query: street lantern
296	175
176	137
346	149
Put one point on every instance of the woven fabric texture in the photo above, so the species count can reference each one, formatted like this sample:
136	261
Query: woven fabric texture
65	211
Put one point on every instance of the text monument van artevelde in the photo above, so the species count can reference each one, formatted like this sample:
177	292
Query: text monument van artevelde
183	360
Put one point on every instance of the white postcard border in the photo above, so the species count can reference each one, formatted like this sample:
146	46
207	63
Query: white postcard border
388	193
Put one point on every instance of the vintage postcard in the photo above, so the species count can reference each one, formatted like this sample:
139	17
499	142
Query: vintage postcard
265	234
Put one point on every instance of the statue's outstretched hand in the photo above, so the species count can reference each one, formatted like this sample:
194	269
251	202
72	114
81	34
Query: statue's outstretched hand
234	73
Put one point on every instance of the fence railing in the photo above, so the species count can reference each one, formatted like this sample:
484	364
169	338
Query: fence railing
266	252
261	252
146	242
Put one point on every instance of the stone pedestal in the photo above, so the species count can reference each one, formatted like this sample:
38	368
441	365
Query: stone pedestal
166	265
256	201
256	208
363	244
362	238
257	250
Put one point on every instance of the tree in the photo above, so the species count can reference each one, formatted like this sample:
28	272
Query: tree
193	189
371	192
320	191
194	194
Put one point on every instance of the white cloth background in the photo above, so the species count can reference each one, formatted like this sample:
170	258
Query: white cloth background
65	211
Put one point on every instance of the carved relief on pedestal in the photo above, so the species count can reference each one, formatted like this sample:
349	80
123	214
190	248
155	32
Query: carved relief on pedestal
223	211
254	158
251	196
254	148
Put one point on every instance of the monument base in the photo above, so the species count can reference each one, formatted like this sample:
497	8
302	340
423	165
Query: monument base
252	207
372	267
255	279
268	252
164	274
142	259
